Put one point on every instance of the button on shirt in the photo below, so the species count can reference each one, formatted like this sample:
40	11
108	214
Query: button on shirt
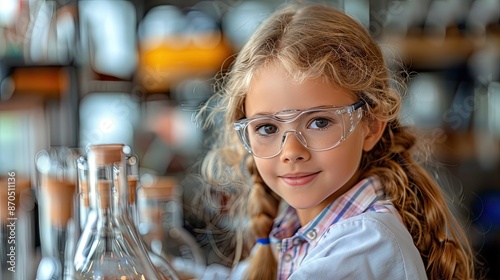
358	236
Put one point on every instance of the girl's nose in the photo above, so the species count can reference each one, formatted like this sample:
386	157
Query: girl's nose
294	148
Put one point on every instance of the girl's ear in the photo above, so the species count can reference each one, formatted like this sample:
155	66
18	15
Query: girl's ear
373	132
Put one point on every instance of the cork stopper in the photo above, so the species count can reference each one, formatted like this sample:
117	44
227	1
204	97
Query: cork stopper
162	188
84	193
104	191
11	188
107	153
132	185
153	216
59	197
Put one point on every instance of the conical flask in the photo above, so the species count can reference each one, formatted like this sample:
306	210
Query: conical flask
161	226
15	228
109	246
131	177
56	178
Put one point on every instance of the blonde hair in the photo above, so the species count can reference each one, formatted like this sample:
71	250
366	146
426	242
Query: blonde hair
317	41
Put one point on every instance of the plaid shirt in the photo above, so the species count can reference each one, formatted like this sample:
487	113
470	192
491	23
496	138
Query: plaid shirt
308	248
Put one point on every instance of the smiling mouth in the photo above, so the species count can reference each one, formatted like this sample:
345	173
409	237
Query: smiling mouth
299	179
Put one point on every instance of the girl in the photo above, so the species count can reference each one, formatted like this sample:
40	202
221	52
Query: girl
311	114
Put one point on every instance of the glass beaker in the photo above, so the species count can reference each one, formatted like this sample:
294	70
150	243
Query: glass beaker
109	246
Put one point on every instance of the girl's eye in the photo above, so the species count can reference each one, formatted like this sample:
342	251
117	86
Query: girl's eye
266	129
320	123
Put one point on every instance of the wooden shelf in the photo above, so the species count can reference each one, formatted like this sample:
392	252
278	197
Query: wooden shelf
429	52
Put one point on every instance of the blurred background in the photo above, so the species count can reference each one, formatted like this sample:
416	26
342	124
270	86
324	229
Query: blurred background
74	73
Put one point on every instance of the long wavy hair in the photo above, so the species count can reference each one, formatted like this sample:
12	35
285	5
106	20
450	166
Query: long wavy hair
318	41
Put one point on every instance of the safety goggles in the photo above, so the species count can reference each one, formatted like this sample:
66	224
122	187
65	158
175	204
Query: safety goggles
318	129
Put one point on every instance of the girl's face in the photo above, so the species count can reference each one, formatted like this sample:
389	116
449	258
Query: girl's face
307	180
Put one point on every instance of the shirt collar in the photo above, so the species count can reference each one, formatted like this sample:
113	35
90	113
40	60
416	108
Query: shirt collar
355	201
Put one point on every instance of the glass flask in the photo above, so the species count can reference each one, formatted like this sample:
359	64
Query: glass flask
161	225
16	227
109	246
56	194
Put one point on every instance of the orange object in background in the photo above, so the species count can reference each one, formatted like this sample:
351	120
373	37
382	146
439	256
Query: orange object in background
45	81
166	61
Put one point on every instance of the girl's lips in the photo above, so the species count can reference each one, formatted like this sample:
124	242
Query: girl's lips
299	179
